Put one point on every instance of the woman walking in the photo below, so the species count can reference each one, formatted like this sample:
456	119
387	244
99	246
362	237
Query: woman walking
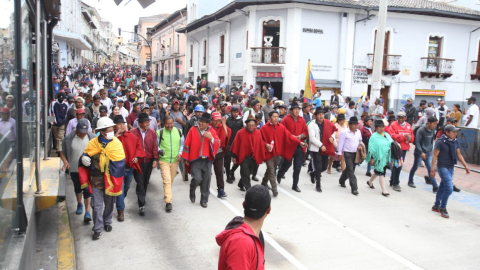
379	154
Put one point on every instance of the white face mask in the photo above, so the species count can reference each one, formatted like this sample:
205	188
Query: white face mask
110	135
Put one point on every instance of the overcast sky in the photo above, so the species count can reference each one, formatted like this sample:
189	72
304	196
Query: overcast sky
123	16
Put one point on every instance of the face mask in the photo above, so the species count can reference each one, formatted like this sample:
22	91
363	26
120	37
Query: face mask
110	135
76	85
60	100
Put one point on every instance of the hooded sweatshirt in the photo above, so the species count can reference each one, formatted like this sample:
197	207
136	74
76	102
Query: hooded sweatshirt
240	248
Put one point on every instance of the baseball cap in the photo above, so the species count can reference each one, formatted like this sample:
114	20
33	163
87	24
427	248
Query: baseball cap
234	109
401	114
120	100
82	125
451	120
5	110
257	201
216	116
176	102
143	107
409	99
80	111
103	109
223	103
451	128
472	98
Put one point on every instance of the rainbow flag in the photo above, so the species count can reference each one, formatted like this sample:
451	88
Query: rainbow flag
309	84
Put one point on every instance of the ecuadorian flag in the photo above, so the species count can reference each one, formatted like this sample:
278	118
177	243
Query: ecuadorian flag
309	84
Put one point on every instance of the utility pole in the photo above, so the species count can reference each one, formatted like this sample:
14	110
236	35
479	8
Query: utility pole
379	48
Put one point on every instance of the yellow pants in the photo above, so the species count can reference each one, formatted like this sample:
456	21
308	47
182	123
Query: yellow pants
168	171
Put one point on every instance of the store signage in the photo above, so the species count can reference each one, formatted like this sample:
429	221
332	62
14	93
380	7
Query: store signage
360	75
269	74
427	92
313	31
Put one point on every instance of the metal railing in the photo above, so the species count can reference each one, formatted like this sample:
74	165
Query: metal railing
268	55
437	65
391	62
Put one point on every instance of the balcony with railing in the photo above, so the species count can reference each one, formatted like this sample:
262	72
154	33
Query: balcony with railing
268	55
475	73
391	63
436	67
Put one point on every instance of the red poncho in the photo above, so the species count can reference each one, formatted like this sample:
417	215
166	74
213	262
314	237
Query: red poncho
246	144
328	129
198	146
133	149
284	143
222	136
296	127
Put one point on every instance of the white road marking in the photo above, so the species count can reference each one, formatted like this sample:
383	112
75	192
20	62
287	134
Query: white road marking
267	238
360	236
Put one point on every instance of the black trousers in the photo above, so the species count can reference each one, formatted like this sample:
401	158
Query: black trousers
246	169
227	161
349	171
297	161
320	164
143	179
218	168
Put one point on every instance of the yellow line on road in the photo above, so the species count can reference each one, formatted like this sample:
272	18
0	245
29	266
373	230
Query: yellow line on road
66	244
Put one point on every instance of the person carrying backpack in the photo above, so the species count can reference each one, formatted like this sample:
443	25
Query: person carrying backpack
170	148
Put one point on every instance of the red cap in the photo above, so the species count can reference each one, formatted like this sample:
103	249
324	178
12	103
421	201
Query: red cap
176	102
215	101
80	111
5	110
216	116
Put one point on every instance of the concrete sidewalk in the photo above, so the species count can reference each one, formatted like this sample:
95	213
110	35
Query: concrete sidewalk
307	230
463	181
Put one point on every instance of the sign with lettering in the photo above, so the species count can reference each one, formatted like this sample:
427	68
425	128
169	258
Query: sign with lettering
360	75
427	92
269	74
313	31
322	68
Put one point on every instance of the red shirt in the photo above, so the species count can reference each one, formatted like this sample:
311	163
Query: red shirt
397	132
149	144
296	127
131	118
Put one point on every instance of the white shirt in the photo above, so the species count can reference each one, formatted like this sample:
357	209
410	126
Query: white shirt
473	111
107	102
178	82
124	113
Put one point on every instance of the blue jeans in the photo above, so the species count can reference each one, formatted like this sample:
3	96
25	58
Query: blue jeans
446	186
428	164
396	171
369	167
127	180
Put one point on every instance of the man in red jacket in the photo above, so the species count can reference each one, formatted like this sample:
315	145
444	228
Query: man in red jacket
298	127
241	243
223	133
401	132
148	139
280	144
199	151
133	152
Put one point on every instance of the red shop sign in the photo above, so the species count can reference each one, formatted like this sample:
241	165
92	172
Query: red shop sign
269	74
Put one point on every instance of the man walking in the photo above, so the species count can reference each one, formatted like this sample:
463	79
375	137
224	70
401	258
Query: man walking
133	152
347	146
401	132
298	127
102	172
148	138
200	148
59	111
235	124
445	155
472	114
73	146
223	132
424	139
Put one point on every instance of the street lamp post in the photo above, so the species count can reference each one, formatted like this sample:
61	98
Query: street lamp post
148	43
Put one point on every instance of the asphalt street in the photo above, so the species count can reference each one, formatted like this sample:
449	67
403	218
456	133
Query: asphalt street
307	230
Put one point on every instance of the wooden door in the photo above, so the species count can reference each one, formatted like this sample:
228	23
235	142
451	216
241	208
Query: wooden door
385	48
384	93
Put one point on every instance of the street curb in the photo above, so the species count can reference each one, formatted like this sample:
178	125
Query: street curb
66	242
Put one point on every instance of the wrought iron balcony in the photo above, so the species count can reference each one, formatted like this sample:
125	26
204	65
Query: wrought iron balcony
268	55
436	67
475	73
391	63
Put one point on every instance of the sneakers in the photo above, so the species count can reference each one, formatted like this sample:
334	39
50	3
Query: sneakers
435	189
79	209
397	188
411	184
141	210
428	180
456	189
444	213
121	215
96	235
435	209
221	193
87	218
168	207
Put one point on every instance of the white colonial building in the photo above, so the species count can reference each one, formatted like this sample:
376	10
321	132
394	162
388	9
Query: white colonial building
431	47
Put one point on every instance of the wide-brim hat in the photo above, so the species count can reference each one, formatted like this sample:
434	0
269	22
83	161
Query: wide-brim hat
379	123
318	110
341	117
143	117
206	117
353	120
294	106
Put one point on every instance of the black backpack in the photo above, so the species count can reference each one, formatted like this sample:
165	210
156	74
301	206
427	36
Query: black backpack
396	151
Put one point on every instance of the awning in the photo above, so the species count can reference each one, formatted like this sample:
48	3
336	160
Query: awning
327	83
73	38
